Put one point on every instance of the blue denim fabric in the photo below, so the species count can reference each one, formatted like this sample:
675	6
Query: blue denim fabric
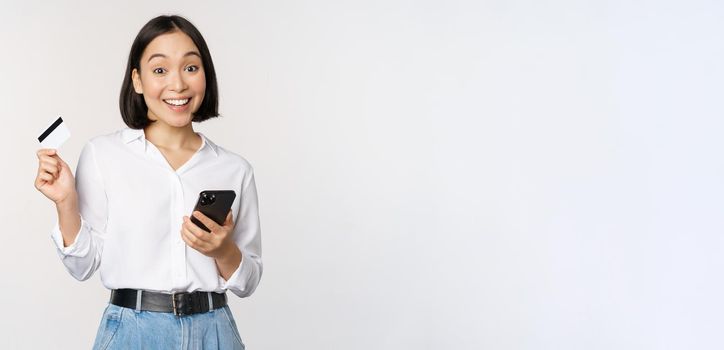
124	328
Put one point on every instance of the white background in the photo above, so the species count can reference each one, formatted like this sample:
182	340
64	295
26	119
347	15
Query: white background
432	175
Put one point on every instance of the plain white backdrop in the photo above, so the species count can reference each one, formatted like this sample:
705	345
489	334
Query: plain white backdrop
432	174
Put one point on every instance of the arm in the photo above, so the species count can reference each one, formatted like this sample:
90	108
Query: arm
78	234
68	219
247	235
229	261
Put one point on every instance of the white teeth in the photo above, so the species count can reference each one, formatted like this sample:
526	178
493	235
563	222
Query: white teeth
177	102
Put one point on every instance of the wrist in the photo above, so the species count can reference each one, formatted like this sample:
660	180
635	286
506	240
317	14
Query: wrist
69	203
228	252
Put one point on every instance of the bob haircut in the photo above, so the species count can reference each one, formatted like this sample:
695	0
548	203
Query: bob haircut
133	107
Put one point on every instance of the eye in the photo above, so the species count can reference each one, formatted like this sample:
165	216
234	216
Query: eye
158	70
192	68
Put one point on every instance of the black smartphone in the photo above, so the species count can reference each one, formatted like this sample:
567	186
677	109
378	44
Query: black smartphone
215	204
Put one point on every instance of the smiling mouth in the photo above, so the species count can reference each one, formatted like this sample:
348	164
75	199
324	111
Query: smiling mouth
177	103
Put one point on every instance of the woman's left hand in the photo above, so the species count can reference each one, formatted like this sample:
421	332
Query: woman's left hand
214	244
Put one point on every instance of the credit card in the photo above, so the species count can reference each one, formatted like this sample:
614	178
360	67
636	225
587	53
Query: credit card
55	134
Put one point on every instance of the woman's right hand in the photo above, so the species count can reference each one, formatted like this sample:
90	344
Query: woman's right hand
54	180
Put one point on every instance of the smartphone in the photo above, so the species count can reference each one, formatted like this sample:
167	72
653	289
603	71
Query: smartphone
215	204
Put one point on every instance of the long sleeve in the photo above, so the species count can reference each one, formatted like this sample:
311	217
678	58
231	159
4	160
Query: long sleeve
247	235
83	257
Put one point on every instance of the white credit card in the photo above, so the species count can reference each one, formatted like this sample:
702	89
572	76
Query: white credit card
55	134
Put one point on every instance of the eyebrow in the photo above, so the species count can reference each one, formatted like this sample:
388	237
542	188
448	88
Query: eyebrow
190	53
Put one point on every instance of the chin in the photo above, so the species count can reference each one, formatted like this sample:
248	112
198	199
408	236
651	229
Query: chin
172	122
181	122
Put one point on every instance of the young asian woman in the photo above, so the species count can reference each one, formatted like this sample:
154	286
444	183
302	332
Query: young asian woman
126	211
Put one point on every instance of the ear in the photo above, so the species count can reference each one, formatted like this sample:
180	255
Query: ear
137	82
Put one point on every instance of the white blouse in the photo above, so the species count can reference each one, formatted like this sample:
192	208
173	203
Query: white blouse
132	204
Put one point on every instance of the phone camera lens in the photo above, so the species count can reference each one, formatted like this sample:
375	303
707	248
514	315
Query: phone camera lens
207	198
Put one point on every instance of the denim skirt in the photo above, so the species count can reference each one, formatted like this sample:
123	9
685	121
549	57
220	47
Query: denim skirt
125	328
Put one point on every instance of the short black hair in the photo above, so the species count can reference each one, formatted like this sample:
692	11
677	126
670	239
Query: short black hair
133	107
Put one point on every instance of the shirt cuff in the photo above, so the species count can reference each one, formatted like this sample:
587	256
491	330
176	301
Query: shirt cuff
80	247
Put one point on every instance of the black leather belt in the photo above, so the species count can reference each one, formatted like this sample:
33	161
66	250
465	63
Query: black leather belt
180	304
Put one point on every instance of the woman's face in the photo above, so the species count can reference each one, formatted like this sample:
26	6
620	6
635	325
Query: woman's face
171	79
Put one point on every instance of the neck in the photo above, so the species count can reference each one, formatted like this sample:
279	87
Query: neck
171	138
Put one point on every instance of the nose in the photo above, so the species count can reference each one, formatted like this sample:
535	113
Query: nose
177	82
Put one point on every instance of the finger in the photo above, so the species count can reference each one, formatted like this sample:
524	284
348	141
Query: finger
229	219
46	177
193	240
62	162
195	230
53	175
49	168
39	183
189	237
186	239
210	224
46	151
49	160
46	155
192	226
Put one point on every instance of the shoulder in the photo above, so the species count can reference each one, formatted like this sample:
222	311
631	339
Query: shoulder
103	142
114	137
232	156
234	163
227	156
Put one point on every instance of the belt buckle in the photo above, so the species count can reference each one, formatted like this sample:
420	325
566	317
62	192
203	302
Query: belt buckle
176	311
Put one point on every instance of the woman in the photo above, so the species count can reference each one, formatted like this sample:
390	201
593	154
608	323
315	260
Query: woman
126	211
